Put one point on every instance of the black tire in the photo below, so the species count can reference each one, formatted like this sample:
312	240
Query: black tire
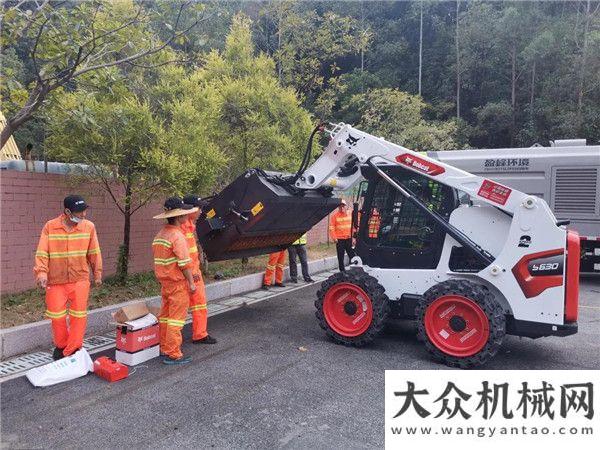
379	302
486	301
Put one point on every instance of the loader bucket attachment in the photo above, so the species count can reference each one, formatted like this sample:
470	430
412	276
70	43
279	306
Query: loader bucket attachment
253	216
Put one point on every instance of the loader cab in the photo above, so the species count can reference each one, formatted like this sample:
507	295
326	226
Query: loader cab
394	233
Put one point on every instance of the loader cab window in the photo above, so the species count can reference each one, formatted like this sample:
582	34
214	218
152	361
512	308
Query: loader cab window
393	228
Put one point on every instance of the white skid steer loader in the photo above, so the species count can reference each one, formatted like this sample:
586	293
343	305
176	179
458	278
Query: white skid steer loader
469	259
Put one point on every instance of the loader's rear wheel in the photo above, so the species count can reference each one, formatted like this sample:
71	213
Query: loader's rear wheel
352	307
461	323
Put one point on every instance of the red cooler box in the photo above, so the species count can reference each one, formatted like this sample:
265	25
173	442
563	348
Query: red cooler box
135	340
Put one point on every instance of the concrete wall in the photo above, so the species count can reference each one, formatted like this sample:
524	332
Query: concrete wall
28	200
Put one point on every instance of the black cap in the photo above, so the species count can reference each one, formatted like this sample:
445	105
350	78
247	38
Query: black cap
75	203
175	203
194	200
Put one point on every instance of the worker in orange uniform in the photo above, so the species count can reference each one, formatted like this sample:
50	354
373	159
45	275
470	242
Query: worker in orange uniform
274	266
374	224
173	269
67	248
198	298
340	231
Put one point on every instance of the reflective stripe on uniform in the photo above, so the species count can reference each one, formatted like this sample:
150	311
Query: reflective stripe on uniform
75	313
56	315
176	323
162	242
197	307
94	251
189	235
68	237
41	253
163	320
183	262
55	255
164	261
194	249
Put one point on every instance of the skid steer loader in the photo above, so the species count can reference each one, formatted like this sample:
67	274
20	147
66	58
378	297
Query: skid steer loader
469	259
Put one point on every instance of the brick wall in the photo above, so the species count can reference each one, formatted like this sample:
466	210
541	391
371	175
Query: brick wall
28	200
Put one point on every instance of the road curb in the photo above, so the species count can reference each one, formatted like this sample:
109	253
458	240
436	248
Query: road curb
28	337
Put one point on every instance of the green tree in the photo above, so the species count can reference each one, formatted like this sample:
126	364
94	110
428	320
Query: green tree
62	41
133	153
308	41
254	120
398	117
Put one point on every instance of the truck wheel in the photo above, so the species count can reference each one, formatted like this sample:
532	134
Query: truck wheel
461	323
352	307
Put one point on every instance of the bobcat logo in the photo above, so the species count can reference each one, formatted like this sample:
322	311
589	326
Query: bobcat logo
352	140
524	241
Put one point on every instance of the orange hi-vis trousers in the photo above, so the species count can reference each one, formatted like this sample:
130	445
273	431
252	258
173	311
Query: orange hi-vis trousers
275	265
171	319
68	337
199	310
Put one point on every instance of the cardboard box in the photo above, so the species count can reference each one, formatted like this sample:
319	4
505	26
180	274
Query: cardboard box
131	312
132	359
136	340
155	310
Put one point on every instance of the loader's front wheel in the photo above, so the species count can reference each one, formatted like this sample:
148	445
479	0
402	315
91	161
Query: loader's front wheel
461	323
352	307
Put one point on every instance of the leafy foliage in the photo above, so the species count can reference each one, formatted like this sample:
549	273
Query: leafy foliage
398	117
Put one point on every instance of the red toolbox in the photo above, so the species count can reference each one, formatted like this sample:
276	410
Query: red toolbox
134	340
110	370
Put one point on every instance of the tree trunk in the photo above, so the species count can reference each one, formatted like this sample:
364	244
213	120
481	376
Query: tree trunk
532	92
421	48
279	68
123	263
25	114
457	63
513	92
581	84
362	47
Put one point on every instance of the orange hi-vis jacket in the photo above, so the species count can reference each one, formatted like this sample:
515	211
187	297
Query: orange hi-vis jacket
171	254
374	223
340	225
189	231
64	255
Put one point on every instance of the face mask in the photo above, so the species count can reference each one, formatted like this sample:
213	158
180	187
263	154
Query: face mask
73	218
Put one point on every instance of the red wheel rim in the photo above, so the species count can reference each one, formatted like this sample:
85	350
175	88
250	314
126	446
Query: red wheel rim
347	309
457	325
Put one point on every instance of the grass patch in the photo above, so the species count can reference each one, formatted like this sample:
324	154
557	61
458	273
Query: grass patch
29	306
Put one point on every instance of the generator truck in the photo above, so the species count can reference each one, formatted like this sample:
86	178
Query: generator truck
469	259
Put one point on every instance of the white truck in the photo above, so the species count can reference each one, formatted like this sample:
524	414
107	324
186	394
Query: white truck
566	175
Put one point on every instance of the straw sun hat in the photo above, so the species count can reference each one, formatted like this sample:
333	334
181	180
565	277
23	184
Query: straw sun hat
174	207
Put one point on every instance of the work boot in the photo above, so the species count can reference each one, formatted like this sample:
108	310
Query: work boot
175	362
309	280
279	284
294	280
265	287
57	354
208	339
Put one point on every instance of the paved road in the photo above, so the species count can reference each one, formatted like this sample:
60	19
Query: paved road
255	388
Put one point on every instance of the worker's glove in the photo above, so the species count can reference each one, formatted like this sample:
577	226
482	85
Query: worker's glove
192	287
42	282
196	277
98	282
